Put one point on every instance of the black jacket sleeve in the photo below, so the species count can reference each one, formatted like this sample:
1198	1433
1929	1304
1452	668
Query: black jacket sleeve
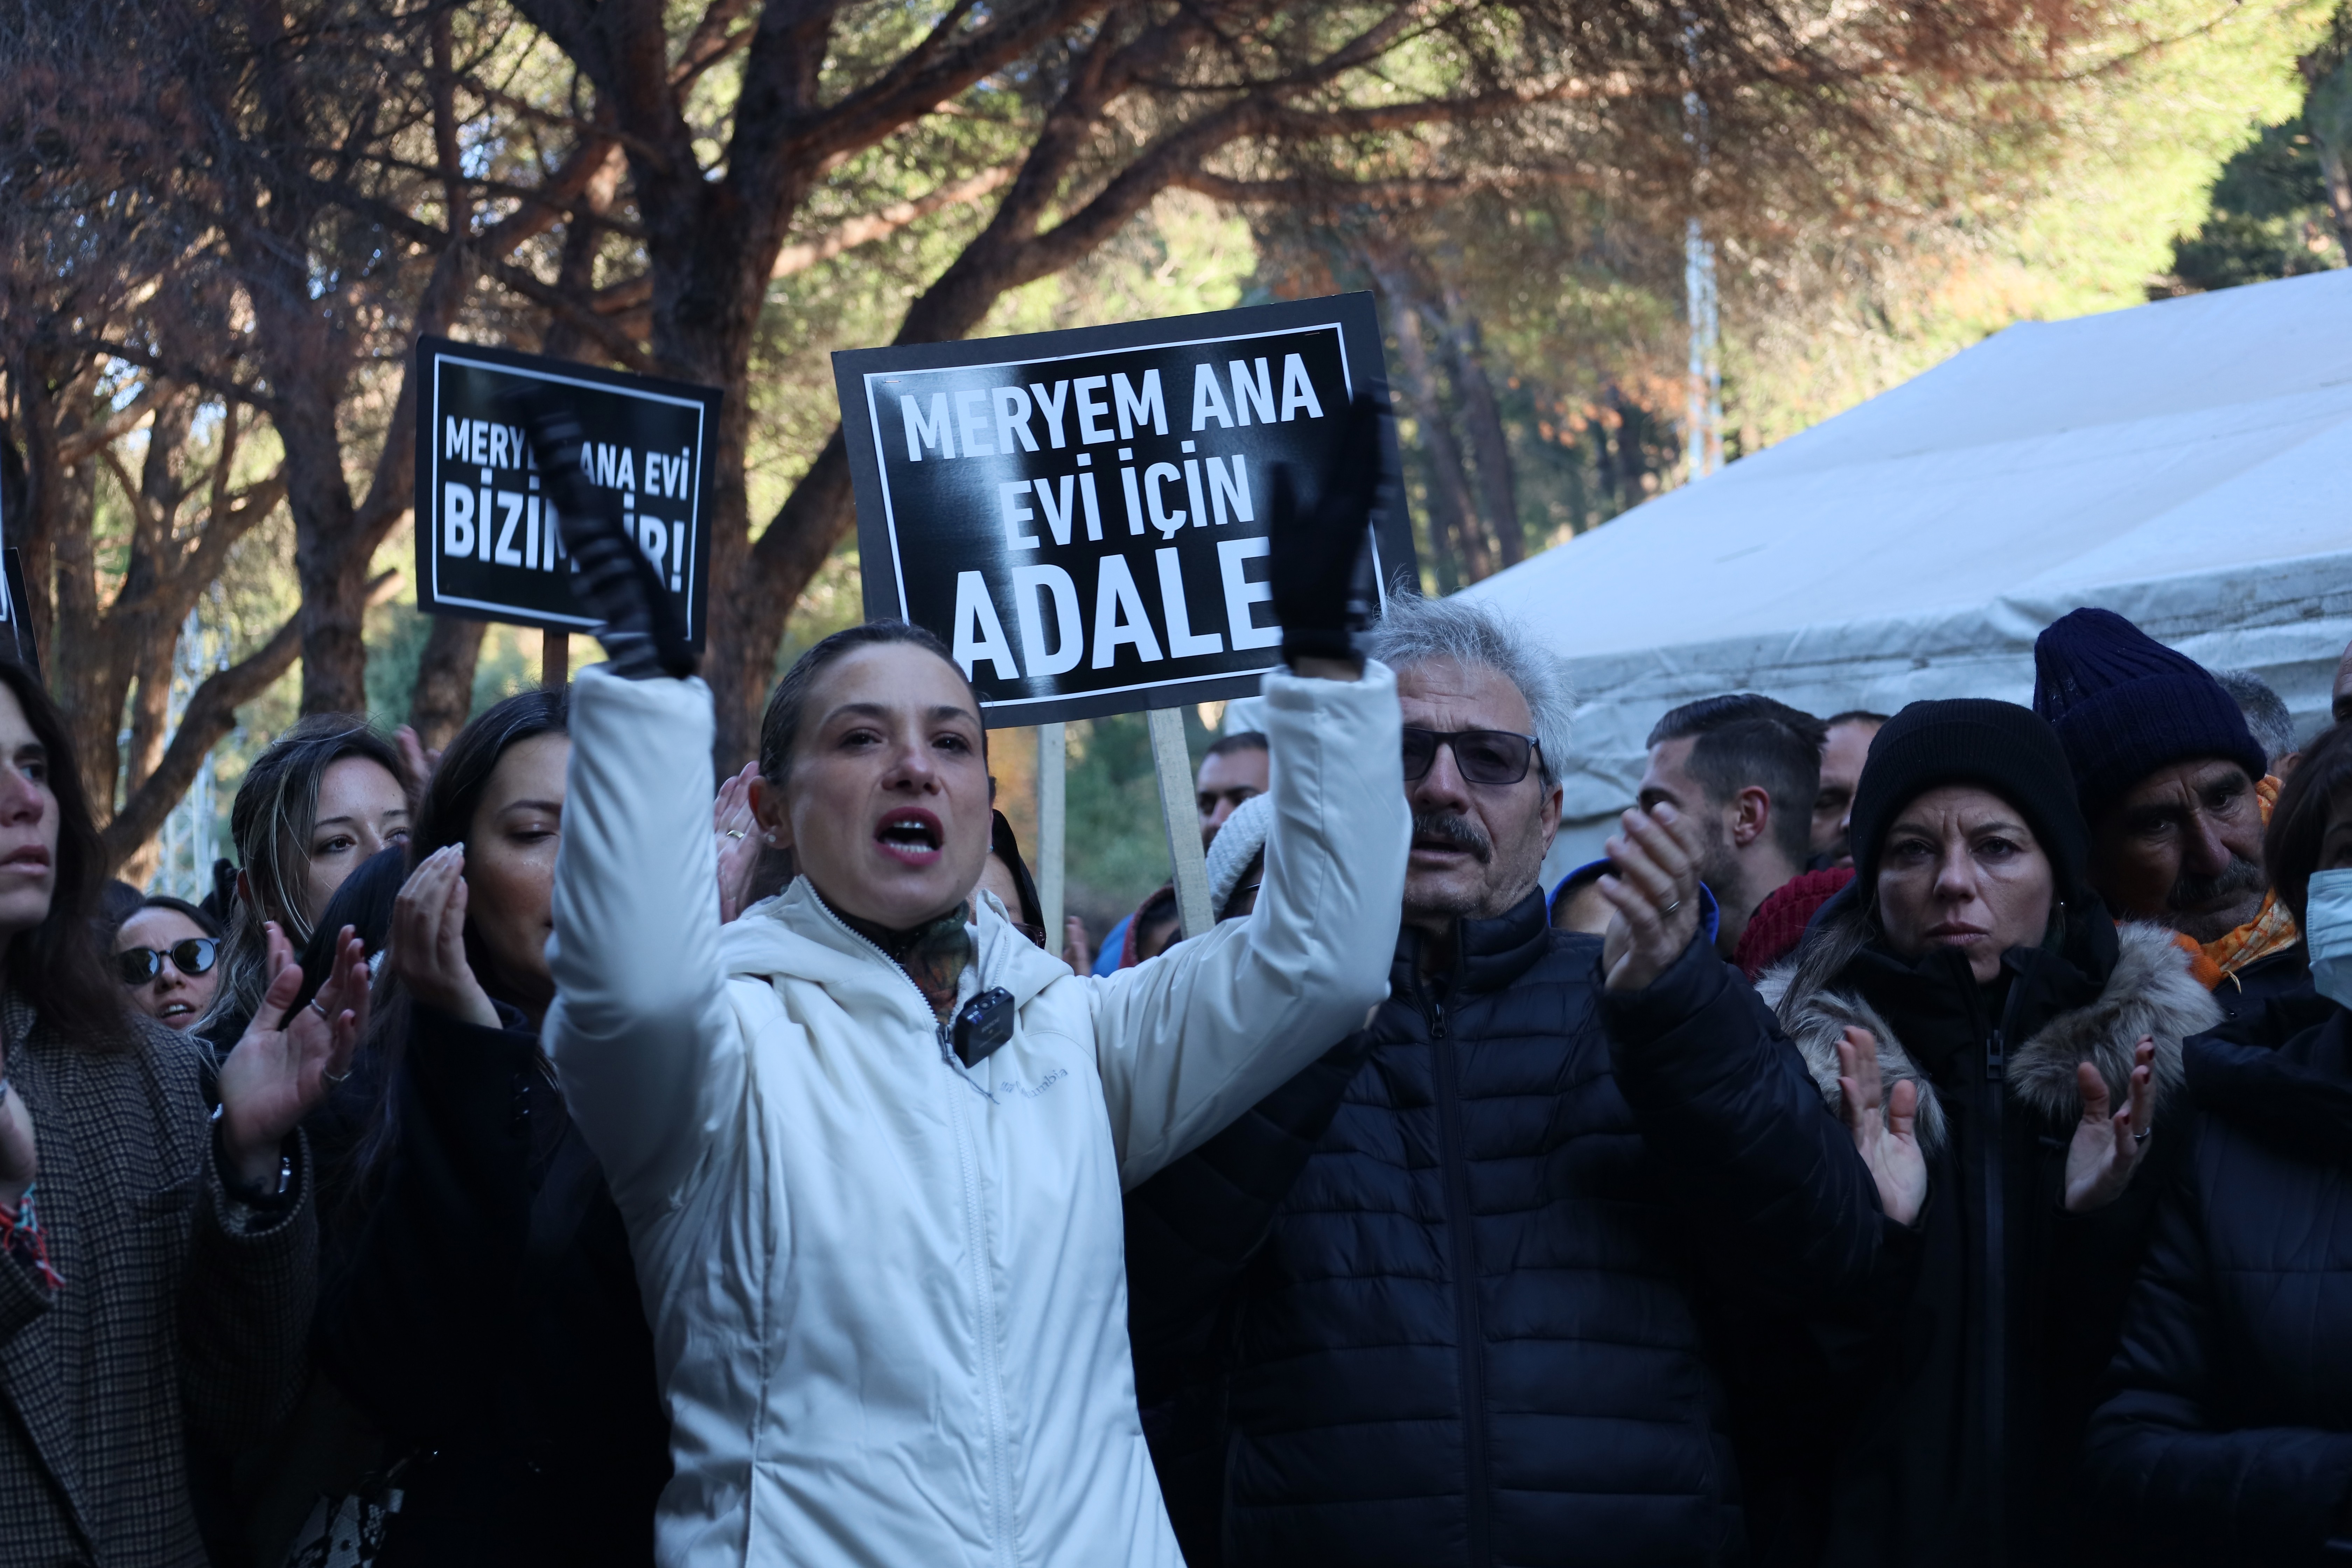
2167	1473
1784	1204
432	1281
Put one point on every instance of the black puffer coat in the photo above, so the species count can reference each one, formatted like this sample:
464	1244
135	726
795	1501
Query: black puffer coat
1441	1299
2228	1438
487	1318
2274	977
1954	1436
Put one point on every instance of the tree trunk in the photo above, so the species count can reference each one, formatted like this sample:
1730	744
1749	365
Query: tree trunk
443	698
1488	442
1451	514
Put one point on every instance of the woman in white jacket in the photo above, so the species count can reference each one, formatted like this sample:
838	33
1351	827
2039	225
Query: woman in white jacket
881	1252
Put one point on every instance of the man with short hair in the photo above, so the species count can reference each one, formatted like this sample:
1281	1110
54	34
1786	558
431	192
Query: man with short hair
1233	770
1844	750
1438	1299
2177	792
1747	769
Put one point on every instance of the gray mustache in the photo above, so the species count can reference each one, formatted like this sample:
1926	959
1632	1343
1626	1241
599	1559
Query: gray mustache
2242	877
1458	830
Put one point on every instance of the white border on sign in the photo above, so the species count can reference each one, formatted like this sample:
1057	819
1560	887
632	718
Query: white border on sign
586	622
890	516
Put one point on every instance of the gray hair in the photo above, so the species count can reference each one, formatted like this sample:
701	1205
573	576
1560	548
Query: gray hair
2266	715
1415	630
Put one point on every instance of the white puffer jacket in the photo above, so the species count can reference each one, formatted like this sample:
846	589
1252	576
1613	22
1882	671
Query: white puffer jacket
888	1294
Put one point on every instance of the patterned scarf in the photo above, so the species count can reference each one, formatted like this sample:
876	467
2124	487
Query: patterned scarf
934	954
2271	931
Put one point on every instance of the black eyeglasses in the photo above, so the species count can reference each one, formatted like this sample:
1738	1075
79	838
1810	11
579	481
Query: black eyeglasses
140	964
1485	757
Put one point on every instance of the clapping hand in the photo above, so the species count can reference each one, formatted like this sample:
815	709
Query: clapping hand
428	940
738	842
2108	1148
19	1155
1885	1127
275	1074
1654	890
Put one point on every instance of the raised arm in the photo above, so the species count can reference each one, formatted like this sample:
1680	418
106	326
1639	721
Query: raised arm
1189	1041
640	1036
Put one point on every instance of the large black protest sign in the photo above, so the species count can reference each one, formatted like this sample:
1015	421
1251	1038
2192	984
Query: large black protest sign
487	541
1083	516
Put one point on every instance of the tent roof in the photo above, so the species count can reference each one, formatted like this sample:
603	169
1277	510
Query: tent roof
2185	463
2053	456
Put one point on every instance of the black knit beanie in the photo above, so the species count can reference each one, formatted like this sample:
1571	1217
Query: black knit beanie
2125	705
1974	741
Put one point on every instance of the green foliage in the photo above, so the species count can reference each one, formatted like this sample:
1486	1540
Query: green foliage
2270	218
1117	847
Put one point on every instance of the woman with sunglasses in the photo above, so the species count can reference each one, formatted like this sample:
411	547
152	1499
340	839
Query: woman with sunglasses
167	950
869	1140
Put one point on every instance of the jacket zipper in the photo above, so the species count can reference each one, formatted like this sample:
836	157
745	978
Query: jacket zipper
1461	1229
975	1230
1996	1278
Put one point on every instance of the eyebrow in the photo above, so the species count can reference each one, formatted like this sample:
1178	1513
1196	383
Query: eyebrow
553	807
878	710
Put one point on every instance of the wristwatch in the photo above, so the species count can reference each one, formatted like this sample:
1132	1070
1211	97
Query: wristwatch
264	1193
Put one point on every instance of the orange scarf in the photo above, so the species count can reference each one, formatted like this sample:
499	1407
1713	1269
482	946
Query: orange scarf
2271	931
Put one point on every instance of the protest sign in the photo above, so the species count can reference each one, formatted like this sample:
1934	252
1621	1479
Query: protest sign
15	631
486	542
1083	515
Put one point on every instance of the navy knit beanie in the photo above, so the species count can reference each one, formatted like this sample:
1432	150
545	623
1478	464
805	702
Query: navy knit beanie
2125	705
1998	746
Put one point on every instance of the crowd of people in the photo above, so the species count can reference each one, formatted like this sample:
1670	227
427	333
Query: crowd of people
1921	1139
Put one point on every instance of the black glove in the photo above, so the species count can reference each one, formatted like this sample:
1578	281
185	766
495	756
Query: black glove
613	580
1320	561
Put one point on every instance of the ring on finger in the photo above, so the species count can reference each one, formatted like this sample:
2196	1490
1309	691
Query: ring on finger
1670	908
316	1009
2143	1137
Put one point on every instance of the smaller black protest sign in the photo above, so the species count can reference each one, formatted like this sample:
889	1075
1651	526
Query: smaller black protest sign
1083	516
488	543
15	630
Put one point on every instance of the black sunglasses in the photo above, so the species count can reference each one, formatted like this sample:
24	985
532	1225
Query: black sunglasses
192	956
1485	757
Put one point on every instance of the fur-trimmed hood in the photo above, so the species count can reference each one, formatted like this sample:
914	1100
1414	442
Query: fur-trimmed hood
2150	992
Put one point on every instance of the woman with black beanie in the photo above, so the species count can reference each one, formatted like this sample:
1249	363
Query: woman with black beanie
2025	1043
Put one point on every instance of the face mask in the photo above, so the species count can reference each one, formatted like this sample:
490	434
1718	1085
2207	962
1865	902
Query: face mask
2327	929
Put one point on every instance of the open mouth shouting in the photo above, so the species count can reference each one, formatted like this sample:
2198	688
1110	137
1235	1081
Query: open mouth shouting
911	836
175	1010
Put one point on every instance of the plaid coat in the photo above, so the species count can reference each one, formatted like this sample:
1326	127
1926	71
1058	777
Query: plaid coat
182	1318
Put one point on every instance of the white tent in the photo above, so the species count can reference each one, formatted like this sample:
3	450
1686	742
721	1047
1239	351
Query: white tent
2187	464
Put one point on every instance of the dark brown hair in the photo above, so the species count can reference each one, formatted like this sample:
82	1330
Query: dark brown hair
57	965
444	816
270	823
2299	820
780	727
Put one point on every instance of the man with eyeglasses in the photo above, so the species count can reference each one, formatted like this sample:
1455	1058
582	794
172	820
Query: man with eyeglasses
166	951
1439	1299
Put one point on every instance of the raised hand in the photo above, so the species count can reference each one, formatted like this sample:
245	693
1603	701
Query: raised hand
738	842
1654	890
2108	1148
1078	948
420	758
276	1075
427	947
1886	1127
1317	546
